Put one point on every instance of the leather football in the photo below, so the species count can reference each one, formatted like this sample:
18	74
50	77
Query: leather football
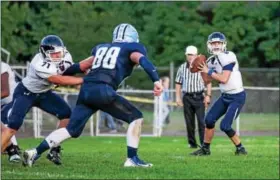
196	62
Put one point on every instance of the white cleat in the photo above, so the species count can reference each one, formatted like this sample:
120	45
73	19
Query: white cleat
15	158
136	162
29	157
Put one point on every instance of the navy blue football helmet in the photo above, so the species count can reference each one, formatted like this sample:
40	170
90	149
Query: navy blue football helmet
216	48
52	48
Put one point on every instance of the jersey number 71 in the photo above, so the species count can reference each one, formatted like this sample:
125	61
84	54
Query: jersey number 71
107	57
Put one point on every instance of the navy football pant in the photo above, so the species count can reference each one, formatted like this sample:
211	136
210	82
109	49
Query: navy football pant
228	104
93	97
24	100
4	112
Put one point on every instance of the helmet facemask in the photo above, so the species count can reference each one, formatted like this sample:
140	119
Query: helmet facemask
216	46
53	53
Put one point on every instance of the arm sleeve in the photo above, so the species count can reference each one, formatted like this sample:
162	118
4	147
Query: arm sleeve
229	67
149	68
227	58
4	68
73	69
179	77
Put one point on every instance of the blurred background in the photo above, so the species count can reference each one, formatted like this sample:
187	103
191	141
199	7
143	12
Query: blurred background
165	28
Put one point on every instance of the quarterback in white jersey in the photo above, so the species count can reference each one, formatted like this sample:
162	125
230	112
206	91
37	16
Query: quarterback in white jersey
223	67
52	65
8	84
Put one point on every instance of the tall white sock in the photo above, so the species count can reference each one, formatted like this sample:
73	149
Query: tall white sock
14	140
133	133
57	136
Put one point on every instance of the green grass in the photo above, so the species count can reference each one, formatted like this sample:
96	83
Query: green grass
103	157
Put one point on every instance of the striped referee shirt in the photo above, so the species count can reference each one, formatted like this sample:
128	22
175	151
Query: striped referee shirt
191	82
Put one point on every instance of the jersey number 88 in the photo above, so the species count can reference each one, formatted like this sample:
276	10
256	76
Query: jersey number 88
107	57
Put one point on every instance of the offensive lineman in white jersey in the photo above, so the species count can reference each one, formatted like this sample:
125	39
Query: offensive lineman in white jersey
8	85
223	67
52	65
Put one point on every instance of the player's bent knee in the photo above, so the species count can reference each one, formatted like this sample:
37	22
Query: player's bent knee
74	133
64	114
210	126
15	122
137	115
228	130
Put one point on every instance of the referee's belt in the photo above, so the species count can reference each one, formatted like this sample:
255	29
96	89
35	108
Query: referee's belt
193	94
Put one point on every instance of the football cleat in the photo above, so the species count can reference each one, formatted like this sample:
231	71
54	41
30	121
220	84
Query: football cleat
14	158
54	155
29	157
241	151
14	153
136	162
201	152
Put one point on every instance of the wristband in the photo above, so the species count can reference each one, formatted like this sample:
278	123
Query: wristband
210	72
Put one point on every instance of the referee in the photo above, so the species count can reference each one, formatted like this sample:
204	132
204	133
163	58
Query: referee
195	101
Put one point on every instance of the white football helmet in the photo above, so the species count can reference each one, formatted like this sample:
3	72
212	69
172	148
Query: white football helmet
125	33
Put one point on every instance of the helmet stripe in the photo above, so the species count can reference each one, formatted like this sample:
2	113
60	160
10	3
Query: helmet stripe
117	32
124	31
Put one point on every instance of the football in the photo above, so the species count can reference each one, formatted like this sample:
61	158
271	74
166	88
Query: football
196	62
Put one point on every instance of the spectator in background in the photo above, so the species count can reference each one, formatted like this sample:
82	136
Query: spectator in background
165	83
194	101
110	121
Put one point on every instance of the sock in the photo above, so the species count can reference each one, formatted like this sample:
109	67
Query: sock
238	146
131	152
14	140
206	145
42	147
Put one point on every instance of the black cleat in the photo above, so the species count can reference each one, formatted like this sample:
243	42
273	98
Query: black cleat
13	152
241	151
201	152
54	155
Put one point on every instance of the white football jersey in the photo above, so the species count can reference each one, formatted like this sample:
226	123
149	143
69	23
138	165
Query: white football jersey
12	82
39	70
217	62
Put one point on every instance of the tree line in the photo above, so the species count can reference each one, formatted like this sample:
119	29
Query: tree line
165	28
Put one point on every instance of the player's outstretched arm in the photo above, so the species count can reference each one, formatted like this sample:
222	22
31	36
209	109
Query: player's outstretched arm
80	67
65	80
149	68
5	90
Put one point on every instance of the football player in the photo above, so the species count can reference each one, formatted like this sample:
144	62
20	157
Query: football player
50	66
113	62
8	85
223	67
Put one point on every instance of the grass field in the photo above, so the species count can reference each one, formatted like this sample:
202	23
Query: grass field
103	157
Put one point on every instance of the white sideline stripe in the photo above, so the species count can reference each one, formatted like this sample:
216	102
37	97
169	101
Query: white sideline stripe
44	175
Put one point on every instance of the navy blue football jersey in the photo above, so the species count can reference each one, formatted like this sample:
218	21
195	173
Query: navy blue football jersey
112	63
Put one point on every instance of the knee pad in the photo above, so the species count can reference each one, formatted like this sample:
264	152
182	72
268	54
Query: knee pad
74	133
135	116
15	121
230	133
209	122
65	113
210	126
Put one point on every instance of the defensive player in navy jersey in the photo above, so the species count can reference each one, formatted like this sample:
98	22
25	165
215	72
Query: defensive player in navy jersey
113	62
